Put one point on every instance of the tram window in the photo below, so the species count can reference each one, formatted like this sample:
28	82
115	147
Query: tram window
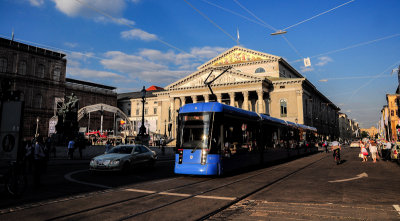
239	139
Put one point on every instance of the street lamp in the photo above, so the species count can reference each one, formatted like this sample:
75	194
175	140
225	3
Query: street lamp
165	128
142	130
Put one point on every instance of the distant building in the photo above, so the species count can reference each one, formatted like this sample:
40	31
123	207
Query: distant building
252	80
40	76
371	131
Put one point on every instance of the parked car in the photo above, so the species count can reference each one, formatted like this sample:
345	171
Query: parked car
355	144
124	158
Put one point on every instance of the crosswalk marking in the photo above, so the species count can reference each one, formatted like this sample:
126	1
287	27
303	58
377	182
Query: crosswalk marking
181	194
397	208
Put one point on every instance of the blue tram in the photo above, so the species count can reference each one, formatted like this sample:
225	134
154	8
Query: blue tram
214	138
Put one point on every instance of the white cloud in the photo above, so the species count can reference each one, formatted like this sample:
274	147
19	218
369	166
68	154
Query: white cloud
304	69
138	34
36	3
93	9
322	61
93	74
156	66
70	44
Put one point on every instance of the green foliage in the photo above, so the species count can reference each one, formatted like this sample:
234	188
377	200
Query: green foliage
364	134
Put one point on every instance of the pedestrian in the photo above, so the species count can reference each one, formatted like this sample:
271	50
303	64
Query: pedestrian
364	152
29	154
71	148
326	146
39	161
373	149
108	146
386	151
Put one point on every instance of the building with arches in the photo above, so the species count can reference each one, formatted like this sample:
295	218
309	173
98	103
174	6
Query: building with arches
251	80
39	77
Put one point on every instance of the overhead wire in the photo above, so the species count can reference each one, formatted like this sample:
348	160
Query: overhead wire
235	13
60	50
270	26
127	24
251	13
349	47
318	15
211	21
372	79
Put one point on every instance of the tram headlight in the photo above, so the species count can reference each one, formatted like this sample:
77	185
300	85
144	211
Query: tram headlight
203	157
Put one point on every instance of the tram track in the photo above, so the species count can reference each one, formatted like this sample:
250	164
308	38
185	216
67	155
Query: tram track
197	194
169	190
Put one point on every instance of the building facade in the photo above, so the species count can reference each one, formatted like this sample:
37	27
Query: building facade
39	76
250	80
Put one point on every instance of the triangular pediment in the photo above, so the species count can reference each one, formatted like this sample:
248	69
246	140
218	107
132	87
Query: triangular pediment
238	55
197	78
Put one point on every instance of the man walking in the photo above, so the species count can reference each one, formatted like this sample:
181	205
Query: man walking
71	146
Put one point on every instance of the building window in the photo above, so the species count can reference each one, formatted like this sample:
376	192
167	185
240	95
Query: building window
37	101
283	108
40	71
392	113
3	65
169	114
259	70
56	74
155	110
137	111
22	68
146	111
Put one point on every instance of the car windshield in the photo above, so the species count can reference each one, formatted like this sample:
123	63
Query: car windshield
121	149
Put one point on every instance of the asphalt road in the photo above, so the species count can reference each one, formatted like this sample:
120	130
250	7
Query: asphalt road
308	188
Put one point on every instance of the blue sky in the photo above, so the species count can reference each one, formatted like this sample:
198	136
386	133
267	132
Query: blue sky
354	45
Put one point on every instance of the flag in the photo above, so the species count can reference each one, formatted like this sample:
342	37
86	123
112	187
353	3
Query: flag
307	62
12	35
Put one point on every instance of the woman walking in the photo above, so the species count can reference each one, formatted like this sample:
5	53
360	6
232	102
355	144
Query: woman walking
374	150
364	152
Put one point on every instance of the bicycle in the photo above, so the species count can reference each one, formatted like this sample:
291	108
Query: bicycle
15	179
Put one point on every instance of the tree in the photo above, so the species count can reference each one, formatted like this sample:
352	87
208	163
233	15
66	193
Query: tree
364	134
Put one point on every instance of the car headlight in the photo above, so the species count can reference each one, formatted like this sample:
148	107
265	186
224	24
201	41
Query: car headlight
115	162
92	162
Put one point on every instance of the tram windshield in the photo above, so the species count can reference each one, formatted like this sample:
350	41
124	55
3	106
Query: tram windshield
195	131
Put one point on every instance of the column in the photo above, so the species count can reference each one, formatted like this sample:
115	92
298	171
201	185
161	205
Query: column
194	98
206	98
260	101
232	98
172	101
245	105
219	98
183	100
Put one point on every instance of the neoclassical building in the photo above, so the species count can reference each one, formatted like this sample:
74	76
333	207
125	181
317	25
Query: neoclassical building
250	80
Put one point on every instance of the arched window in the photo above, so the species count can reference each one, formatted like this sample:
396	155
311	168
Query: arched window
40	71
22	68
3	65
37	101
260	70
56	74
283	108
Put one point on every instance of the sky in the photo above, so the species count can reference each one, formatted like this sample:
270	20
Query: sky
353	45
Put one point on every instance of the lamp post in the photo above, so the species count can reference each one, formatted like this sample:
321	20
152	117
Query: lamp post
165	128
143	137
142	130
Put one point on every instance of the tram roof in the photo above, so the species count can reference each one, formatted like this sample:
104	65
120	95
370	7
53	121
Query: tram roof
216	107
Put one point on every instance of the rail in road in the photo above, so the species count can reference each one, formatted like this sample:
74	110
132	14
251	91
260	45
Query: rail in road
185	197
